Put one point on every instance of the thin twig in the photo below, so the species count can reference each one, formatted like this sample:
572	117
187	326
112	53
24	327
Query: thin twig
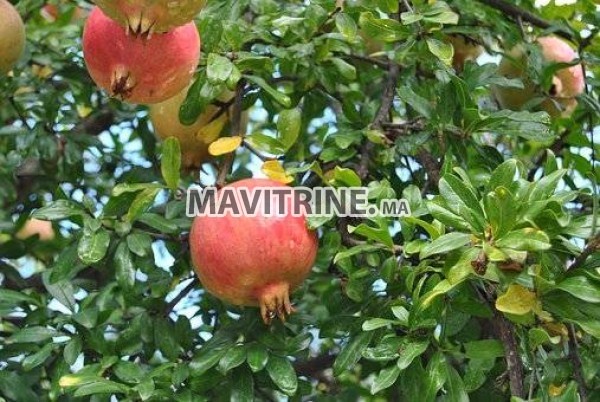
236	118
505	330
576	361
184	292
518	13
592	246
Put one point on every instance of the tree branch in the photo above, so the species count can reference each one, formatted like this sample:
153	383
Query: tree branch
387	100
184	292
505	330
518	13
576	361
311	367
236	119
592	246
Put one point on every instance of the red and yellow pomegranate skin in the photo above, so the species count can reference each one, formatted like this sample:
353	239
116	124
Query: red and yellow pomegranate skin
12	36
137	69
567	83
253	260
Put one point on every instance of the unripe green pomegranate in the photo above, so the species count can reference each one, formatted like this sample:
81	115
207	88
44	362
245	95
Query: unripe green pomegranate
253	260
12	36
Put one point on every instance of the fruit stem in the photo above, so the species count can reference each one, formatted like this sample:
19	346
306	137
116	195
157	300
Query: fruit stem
274	300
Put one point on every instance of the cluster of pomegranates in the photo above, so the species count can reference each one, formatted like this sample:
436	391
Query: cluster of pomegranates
142	51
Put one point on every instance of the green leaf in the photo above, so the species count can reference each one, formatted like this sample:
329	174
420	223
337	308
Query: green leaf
218	68
350	355
233	358
388	349
447	217
159	223
279	97
72	350
346	26
289	124
503	175
206	360
141	203
257	357
360	249
500	210
376	323
581	287
445	243
441	50
92	247
484	349
385	379
526	239
545	187
346	177
461	200
384	29
409	351
171	162
103	386
125	271
242	386
420	104
124	188
146	389
63	291
455	388
34	360
57	210
65	265
34	334
13	297
139	244
283	374
380	235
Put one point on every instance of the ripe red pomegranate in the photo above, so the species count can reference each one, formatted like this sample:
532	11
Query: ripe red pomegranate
137	69
253	261
148	16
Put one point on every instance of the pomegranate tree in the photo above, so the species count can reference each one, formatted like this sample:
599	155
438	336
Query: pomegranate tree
136	69
567	82
253	260
12	36
148	16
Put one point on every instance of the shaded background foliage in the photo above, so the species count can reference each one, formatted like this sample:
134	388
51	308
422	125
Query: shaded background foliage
490	290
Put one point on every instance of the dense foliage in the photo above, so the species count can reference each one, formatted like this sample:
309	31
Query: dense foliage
490	290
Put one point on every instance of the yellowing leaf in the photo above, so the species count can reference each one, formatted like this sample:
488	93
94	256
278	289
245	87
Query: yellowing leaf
68	381
517	300
275	171
225	145
83	111
41	71
556	390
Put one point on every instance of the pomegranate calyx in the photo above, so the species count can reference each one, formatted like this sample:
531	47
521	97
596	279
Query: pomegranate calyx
274	300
